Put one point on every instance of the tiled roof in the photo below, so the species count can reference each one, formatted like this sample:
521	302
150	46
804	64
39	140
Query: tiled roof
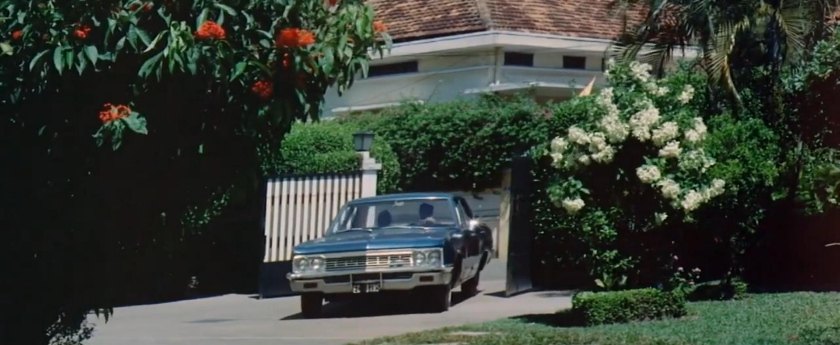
415	19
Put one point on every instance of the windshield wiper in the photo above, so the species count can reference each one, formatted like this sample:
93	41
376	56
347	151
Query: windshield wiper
355	229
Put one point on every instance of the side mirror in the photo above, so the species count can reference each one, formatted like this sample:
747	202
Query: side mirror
473	224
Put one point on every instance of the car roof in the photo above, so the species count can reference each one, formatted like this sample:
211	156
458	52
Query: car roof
405	196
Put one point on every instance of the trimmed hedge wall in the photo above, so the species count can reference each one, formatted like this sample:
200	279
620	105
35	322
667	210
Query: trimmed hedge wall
324	147
460	145
717	290
597	308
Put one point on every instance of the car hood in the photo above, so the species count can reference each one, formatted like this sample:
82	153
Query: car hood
388	238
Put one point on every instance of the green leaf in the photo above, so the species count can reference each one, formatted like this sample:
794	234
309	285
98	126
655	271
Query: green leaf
37	58
136	123
58	59
238	70
81	63
226	8
92	53
201	18
154	42
143	36
6	48
149	65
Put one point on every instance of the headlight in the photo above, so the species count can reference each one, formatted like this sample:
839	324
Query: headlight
316	264
433	258
428	258
300	264
419	258
303	264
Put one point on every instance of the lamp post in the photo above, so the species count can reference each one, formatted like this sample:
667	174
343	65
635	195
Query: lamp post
362	142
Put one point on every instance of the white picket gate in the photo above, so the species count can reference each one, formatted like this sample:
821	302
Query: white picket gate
298	208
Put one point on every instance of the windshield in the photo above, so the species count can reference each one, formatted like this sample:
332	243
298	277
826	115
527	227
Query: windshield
377	215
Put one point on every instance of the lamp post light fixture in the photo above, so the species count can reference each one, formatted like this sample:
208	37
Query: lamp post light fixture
362	141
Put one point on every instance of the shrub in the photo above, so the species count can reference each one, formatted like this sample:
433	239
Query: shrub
325	147
717	290
597	308
461	145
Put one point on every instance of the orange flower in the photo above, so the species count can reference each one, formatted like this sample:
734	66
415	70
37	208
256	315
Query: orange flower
110	112
209	30
17	35
263	89
379	26
81	32
294	37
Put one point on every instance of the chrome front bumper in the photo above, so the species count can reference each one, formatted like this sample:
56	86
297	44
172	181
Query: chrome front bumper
394	280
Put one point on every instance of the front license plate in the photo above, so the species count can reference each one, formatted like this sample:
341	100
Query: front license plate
366	288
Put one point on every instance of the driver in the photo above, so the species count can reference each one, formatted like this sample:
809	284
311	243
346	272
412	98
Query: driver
426	213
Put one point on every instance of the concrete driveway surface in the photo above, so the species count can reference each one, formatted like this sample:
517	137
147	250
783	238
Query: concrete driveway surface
241	319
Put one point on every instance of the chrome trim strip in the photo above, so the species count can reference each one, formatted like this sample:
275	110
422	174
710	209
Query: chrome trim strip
318	275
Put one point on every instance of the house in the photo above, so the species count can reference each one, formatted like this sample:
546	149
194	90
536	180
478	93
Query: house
449	49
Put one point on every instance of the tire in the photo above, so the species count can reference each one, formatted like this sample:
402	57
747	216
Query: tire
470	287
311	305
440	298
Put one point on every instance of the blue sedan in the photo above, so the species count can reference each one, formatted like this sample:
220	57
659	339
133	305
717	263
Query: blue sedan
427	243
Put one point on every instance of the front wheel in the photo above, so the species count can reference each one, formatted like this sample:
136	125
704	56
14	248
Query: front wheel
470	287
311	304
440	298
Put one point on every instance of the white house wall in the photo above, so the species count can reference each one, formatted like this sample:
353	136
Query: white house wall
461	66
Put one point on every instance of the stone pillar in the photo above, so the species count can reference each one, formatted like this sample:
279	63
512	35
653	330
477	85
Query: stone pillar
504	217
370	168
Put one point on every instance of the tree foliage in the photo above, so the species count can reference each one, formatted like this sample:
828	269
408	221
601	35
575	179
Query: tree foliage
179	94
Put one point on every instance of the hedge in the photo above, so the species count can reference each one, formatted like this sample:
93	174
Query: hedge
596	308
460	145
325	147
717	290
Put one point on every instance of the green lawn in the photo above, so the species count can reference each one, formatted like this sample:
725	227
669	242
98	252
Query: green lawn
789	318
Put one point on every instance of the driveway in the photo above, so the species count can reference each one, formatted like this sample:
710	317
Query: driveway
241	319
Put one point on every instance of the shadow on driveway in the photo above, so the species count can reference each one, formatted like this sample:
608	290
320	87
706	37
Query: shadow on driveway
400	304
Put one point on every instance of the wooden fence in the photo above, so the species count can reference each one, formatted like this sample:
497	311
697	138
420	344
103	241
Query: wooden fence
299	208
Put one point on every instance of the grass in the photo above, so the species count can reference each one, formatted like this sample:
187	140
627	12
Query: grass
800	318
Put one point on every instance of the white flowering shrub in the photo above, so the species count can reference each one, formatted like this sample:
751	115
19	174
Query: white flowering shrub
646	140
637	162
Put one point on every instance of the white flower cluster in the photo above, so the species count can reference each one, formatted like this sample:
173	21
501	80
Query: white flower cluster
648	174
642	121
694	199
670	189
697	133
558	146
671	150
578	136
666	132
594	147
640	71
686	95
572	206
615	129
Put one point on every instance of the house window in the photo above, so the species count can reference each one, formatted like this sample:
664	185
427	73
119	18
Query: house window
519	59
574	62
393	68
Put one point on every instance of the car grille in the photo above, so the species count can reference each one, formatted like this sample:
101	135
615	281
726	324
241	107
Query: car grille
351	263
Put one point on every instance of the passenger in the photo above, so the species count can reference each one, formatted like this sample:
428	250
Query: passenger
384	219
426	213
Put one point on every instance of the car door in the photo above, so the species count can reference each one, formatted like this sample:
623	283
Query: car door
472	239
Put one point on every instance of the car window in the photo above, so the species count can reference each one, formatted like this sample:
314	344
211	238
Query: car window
375	215
462	214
